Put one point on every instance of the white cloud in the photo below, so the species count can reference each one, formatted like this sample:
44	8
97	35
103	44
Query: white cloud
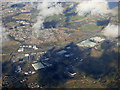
46	9
111	31
93	7
3	35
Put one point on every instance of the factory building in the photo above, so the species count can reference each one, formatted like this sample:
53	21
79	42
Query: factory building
38	66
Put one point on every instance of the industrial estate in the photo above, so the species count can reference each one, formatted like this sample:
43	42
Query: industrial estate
47	48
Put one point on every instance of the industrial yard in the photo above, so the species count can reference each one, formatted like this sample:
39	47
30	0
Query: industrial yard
60	49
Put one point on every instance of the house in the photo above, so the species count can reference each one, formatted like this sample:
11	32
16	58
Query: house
34	61
30	72
21	60
47	64
18	69
26	73
38	66
20	49
33	72
68	55
87	43
26	46
26	55
73	74
23	45
33	53
34	47
81	60
30	46
46	59
68	47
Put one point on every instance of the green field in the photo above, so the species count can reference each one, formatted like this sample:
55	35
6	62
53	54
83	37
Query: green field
54	18
89	27
73	18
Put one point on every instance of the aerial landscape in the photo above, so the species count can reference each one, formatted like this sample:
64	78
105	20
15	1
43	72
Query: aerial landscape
59	44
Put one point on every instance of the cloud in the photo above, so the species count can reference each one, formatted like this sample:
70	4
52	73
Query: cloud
111	31
93	7
3	35
45	9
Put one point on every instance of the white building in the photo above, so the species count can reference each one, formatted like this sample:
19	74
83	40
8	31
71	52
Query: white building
61	52
33	72
35	47
26	55
33	53
20	49
30	46
68	55
34	61
38	66
81	60
26	73
87	43
46	59
68	47
97	39
72	74
26	46
23	45
19	69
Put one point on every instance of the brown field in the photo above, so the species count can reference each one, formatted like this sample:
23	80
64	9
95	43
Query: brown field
10	43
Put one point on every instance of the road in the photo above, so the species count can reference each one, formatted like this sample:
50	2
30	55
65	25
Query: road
14	52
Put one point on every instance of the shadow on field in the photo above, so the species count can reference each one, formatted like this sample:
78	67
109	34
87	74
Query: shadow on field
98	67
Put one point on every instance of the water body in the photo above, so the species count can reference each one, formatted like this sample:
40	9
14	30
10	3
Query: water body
17	5
112	4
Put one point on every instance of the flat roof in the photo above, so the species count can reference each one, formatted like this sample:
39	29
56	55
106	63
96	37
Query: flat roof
38	66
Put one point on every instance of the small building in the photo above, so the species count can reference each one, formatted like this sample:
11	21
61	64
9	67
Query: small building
81	60
35	47
21	49
30	72
33	53
61	52
46	59
97	39
26	46
38	66
68	55
20	56
20	46
30	46
23	45
18	69
26	55
34	61
87	43
68	47
33	72
73	74
47	63
26	73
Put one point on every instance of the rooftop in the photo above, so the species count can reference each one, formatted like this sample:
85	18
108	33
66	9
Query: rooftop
87	43
38	66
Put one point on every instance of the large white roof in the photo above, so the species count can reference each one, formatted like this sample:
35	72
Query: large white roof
38	65
97	39
61	52
87	43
